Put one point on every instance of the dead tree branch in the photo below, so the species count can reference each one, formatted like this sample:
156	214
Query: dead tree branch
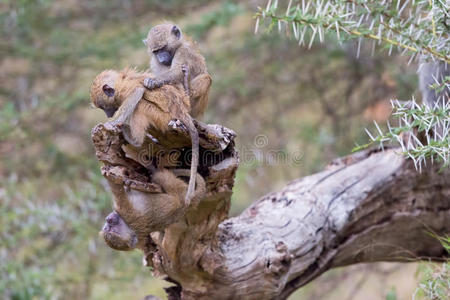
370	206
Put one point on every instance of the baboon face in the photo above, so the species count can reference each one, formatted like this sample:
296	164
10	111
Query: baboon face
117	234
103	92
163	41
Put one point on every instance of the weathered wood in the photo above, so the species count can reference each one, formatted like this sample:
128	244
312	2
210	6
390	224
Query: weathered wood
369	206
183	252
376	207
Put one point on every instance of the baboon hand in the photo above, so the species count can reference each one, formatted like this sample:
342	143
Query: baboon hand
152	83
176	124
185	69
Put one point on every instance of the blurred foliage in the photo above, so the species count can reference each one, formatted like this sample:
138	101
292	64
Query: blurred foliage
309	105
391	295
435	282
435	278
219	17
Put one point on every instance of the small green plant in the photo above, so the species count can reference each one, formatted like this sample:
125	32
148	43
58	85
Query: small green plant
417	120
391	295
416	28
413	27
435	278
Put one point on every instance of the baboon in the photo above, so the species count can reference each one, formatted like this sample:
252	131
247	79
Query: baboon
135	109
137	215
176	59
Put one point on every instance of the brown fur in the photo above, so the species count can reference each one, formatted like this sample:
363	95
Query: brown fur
185	54
135	116
137	215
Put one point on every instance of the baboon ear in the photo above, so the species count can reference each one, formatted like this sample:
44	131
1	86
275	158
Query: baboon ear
109	91
145	42
176	31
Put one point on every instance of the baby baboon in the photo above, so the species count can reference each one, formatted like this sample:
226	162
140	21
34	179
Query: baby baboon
175	59
136	214
136	109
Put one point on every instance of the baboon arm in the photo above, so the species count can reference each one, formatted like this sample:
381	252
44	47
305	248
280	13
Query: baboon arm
169	182
175	73
138	126
126	110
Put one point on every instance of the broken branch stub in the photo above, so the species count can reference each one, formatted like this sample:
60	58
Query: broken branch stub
180	250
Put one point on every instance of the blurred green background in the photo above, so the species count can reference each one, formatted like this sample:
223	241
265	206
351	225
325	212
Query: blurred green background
313	104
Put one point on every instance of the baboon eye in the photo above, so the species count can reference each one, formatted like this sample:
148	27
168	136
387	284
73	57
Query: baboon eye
176	31
109	91
163	48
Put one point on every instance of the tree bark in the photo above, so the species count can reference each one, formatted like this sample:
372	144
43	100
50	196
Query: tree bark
366	207
371	206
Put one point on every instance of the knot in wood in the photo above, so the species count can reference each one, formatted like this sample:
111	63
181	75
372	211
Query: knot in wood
280	261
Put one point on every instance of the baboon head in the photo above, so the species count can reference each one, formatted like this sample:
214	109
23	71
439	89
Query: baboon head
163	41
117	234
